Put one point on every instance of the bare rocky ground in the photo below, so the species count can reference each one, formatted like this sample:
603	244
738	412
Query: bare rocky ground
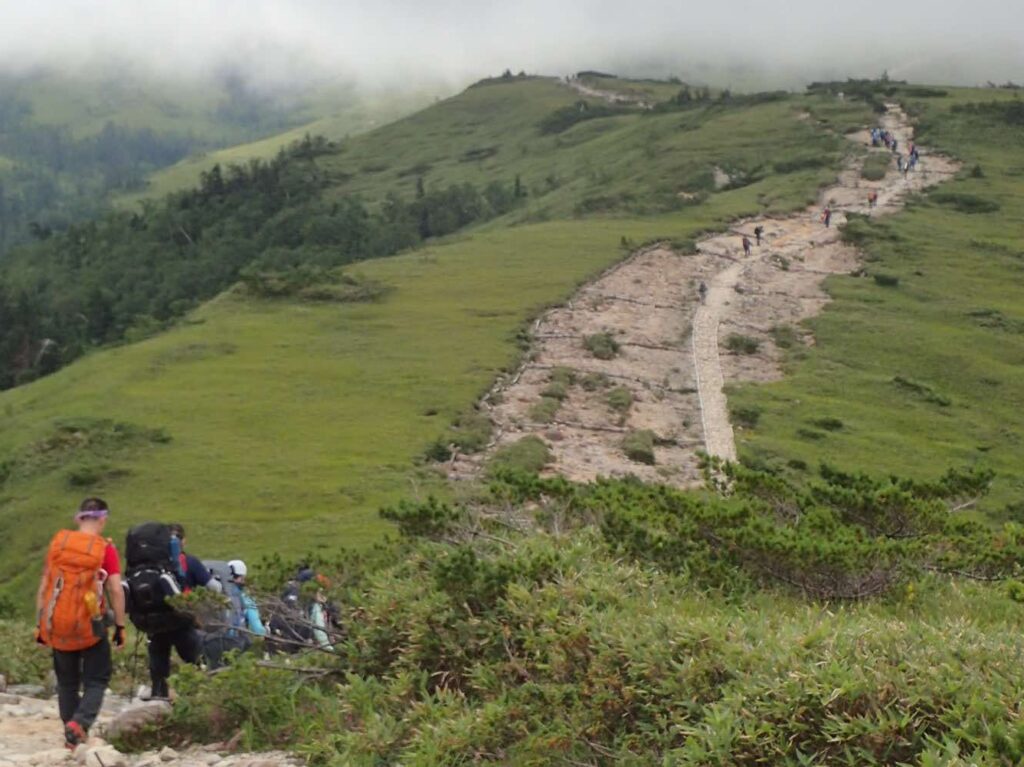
674	352
31	733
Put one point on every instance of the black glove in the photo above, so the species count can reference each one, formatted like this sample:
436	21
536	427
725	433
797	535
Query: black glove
119	637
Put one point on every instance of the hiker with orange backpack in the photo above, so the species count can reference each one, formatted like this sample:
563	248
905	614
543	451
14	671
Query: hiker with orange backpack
81	577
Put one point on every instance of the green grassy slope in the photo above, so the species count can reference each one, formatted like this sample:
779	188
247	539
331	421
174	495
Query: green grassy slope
291	423
954	324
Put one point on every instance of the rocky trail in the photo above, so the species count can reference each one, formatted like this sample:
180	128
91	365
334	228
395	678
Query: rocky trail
31	733
675	354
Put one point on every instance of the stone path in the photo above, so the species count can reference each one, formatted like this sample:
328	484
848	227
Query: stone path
31	734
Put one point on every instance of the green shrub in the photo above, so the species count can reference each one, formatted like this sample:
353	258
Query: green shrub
528	455
746	417
93	474
620	399
810	434
563	375
639	446
784	336
921	390
601	345
740	344
594	381
965	203
545	410
876	166
471	431
828	424
807	162
555	390
886	280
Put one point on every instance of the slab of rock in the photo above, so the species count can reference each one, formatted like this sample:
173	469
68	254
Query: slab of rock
50	756
167	754
135	717
28	690
3	683
105	756
7	699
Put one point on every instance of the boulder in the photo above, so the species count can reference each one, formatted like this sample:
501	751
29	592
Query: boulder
167	754
134	718
7	699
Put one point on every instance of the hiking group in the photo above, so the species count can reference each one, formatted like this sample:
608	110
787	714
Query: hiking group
881	137
83	592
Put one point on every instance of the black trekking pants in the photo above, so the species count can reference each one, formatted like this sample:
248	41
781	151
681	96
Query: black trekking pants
185	640
82	679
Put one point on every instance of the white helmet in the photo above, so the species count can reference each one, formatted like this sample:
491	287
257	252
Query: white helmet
237	568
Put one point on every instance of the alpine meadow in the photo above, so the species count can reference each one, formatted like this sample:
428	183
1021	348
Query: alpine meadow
599	419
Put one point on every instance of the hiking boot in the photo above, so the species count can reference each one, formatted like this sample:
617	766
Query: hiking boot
160	691
74	735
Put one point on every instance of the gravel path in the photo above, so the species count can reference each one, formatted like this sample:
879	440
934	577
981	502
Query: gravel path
31	733
673	355
796	236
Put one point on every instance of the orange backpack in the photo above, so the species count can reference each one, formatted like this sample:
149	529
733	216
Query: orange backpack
72	564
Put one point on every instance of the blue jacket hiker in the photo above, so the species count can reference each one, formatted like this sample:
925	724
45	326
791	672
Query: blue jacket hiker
249	614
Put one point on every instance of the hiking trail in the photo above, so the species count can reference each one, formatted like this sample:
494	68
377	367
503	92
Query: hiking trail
31	734
674	351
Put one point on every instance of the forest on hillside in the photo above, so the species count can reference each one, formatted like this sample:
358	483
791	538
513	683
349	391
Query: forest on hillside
49	178
127	275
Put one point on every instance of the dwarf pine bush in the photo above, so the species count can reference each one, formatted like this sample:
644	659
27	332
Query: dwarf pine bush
634	624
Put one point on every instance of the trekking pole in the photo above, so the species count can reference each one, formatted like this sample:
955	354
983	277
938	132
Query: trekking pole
135	664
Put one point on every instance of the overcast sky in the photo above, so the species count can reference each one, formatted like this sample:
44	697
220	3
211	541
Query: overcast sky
387	41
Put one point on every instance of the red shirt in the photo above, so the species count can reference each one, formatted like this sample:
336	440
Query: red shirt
111	561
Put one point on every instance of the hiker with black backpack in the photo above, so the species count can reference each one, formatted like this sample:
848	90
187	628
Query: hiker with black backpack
81	577
192	572
153	578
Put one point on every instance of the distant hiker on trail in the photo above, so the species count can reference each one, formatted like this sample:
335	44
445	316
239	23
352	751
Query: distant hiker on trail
758	231
241	619
155	574
81	577
185	638
826	216
899	163
702	290
872	199
746	245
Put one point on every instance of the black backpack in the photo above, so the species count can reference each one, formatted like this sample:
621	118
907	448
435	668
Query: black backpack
150	580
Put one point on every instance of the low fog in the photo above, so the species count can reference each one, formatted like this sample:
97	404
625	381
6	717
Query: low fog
390	43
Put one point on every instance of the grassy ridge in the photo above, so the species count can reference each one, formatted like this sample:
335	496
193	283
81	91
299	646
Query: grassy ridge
629	164
921	374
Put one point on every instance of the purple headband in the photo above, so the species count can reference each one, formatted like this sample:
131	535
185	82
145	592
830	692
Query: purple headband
91	514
